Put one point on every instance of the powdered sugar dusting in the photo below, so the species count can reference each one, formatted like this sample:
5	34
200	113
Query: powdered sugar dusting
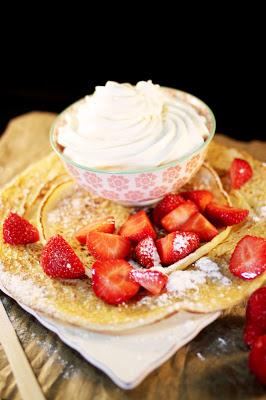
181	281
212	270
180	242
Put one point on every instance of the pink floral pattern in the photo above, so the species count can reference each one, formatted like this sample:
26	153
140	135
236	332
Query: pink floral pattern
73	170
89	188
180	182
145	180
109	194
134	195
171	174
118	182
193	163
137	188
93	179
158	191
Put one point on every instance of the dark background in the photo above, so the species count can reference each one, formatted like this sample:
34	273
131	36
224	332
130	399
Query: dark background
47	67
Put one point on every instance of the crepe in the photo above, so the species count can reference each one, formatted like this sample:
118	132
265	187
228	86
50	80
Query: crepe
73	301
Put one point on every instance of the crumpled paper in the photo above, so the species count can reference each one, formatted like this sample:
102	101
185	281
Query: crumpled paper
212	366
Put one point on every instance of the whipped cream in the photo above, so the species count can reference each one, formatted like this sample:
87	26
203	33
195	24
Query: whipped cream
125	127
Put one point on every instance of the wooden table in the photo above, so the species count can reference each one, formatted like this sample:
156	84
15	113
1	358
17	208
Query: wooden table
212	366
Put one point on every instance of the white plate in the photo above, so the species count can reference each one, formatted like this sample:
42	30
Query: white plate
128	358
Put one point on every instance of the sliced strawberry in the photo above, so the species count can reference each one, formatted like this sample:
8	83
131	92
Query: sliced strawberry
176	218
200	225
106	225
225	215
107	246
146	253
59	260
166	205
137	227
257	359
249	257
200	197
153	281
17	230
111	281
176	245
240	172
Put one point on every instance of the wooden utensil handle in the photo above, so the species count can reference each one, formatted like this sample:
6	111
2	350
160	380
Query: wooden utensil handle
27	383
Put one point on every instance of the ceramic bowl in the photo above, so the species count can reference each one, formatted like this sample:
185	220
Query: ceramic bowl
138	187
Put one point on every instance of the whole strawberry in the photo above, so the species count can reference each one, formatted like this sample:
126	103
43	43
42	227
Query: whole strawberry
257	359
17	230
255	325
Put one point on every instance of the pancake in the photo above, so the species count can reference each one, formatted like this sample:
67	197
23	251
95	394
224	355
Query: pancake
49	198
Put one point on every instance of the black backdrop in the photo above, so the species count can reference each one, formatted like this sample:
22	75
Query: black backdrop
224	65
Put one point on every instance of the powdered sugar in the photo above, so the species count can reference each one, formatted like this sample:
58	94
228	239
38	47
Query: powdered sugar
212	270
260	214
180	242
181	281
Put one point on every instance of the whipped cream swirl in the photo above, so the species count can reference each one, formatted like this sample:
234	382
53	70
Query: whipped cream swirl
123	127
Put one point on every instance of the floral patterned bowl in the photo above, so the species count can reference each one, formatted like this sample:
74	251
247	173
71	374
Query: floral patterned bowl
139	187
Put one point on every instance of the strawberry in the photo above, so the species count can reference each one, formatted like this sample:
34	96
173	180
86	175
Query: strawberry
240	172
200	225
251	333
200	197
257	359
146	253
249	257
255	316
176	218
167	204
107	246
137	227
153	281
106	225
176	245
59	260
225	215
111	281
17	230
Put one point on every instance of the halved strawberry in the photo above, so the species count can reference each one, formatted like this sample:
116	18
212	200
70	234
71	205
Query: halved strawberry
200	197
166	205
176	245
257	359
225	215
176	218
200	225
146	253
106	225
59	260
137	227
111	281
153	281
107	246
249	257
17	230
240	172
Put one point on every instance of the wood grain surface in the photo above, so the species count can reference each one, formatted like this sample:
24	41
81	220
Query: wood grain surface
212	366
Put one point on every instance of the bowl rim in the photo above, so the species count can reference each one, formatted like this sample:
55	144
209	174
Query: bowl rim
141	170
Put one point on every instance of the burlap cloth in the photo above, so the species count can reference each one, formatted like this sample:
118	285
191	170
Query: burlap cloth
212	366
